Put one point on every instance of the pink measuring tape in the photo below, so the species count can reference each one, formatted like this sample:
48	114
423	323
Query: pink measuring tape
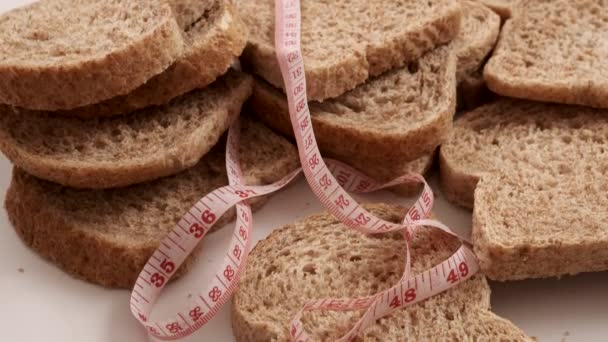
330	182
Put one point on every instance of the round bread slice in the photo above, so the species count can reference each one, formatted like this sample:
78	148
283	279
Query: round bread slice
346	42
318	257
62	54
106	236
403	114
112	152
215	36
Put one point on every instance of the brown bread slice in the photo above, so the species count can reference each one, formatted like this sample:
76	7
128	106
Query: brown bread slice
346	42
536	176
553	51
106	236
112	152
62	54
504	8
318	257
403	114
215	36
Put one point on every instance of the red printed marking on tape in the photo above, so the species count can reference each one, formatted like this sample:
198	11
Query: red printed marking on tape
329	181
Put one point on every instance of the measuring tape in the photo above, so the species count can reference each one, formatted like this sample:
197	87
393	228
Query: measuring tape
330	182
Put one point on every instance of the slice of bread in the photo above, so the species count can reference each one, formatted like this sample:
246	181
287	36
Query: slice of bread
403	114
536	176
215	36
318	257
479	30
553	51
504	8
106	236
62	54
113	152
346	42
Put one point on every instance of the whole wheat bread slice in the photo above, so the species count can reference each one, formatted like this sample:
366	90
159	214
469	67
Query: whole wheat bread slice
504	8
62	54
318	257
106	236
479	30
215	36
112	152
536	176
346	42
403	114
554	51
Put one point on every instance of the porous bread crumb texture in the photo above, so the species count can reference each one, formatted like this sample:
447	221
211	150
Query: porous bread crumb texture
553	51
479	29
215	36
540	206
112	152
504	8
106	236
403	114
318	257
346	42
62	54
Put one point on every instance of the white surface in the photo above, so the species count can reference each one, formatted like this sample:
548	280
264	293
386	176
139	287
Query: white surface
39	302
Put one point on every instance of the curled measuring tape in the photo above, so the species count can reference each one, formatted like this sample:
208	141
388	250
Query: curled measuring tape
329	181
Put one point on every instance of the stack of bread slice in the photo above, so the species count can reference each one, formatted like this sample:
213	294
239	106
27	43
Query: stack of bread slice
114	119
533	167
382	78
382	81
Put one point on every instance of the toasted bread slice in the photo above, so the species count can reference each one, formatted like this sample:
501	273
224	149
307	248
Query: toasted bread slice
106	236
553	51
112	152
536	176
345	43
504	8
478	33
318	257
62	54
403	114
215	36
